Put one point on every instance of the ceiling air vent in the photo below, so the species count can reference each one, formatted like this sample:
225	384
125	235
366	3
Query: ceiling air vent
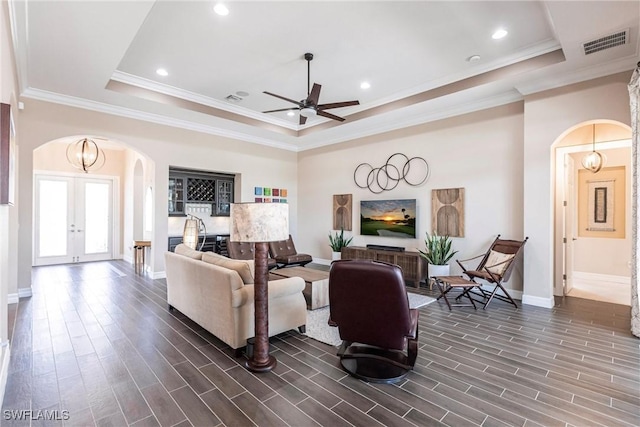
233	98
606	42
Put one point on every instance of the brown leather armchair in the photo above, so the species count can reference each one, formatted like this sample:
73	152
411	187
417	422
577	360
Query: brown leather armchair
285	254
369	305
245	250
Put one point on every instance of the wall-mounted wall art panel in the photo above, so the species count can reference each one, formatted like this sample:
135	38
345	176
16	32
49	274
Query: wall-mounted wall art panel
342	209
278	195
447	212
601	203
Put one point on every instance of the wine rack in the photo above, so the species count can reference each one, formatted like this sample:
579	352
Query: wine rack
201	190
188	186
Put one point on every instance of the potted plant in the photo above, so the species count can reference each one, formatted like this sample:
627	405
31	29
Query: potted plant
337	242
438	253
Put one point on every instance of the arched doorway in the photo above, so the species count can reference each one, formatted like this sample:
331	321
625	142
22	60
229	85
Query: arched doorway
113	196
593	213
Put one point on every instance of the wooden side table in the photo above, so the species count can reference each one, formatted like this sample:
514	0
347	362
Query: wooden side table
138	254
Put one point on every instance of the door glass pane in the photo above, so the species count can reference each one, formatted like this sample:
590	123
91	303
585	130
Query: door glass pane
96	218
52	205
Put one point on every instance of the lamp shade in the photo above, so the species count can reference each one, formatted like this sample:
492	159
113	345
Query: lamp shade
191	232
259	222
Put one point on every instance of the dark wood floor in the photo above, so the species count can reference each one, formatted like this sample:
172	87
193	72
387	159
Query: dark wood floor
96	340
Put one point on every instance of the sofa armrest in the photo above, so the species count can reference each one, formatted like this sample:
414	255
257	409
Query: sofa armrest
277	289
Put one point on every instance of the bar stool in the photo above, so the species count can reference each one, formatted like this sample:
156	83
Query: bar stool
138	255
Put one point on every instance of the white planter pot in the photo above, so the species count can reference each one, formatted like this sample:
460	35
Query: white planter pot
438	270
336	256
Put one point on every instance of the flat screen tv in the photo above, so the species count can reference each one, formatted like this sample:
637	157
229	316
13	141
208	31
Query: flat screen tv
388	218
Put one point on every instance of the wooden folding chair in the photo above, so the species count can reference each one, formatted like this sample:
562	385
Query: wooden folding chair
495	269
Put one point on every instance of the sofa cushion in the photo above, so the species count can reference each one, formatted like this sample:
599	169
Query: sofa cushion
245	268
185	250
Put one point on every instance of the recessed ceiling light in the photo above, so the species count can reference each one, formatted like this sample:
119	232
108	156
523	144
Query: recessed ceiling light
365	85
291	114
499	33
221	9
162	72
242	93
473	58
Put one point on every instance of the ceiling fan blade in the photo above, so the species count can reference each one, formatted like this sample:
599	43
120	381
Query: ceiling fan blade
303	119
315	94
283	98
330	116
337	105
281	109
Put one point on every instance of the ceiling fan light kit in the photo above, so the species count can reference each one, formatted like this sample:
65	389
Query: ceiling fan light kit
309	107
308	112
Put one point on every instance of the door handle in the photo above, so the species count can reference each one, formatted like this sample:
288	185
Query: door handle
79	231
574	238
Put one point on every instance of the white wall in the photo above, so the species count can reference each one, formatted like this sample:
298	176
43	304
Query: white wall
481	152
548	116
164	146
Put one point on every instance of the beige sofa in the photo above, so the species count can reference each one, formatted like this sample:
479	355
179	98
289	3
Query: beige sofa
216	292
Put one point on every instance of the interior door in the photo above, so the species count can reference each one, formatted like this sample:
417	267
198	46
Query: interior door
54	205
74	219
570	225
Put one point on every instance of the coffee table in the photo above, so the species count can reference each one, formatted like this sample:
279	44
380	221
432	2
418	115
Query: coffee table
316	289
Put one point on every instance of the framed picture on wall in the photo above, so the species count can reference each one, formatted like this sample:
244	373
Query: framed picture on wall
7	156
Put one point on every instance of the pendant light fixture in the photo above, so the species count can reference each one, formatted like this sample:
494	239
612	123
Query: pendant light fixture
86	155
594	160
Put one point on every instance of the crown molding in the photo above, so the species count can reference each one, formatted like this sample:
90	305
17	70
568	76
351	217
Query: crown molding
56	98
173	91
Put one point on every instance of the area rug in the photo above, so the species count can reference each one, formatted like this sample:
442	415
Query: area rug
318	329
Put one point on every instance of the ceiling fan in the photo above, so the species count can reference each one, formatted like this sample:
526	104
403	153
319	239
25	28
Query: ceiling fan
309	106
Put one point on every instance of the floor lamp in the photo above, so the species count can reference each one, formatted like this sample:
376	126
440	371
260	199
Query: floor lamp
260	223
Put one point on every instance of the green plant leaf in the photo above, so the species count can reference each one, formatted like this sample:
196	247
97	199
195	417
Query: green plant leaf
438	249
338	241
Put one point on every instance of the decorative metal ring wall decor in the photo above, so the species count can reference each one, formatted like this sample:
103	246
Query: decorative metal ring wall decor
388	176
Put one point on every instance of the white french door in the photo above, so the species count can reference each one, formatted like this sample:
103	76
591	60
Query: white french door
73	219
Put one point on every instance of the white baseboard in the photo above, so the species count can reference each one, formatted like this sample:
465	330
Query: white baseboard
22	293
514	293
127	258
538	301
321	261
159	275
582	275
5	354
